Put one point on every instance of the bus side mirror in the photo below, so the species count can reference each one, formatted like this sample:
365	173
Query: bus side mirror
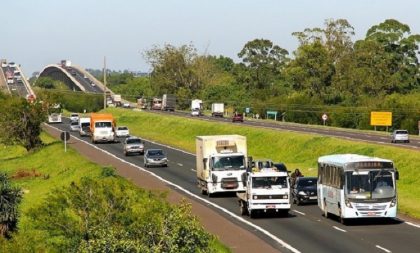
397	175
205	163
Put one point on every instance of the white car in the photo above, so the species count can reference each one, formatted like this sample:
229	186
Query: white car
74	126
400	136
4	64
122	131
74	117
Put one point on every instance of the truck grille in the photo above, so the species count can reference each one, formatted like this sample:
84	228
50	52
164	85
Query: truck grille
373	207
229	183
278	196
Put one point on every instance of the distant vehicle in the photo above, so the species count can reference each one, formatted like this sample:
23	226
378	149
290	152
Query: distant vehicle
142	103
238	117
400	136
4	64
12	65
65	63
217	109
168	102
102	127
54	114
10	80
126	105
74	126
93	84
133	145
73	72
156	103
304	190
122	131
84	126
196	107
155	157
74	117
116	99
356	186
281	167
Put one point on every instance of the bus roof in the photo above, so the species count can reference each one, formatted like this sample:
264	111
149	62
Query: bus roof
343	159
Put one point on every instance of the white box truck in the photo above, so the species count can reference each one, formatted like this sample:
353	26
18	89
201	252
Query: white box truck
267	190
217	109
168	102
221	162
196	107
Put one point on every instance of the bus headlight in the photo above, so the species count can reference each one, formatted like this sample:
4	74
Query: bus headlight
348	204
301	193
393	202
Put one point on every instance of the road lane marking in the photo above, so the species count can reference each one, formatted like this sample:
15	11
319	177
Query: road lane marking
412	224
339	229
180	164
193	170
296	211
187	192
382	248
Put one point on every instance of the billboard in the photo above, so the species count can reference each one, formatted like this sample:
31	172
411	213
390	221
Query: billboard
381	118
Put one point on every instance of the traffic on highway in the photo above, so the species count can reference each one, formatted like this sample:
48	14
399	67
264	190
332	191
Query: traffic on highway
252	192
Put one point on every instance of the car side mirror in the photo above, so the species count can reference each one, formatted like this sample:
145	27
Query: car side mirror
397	174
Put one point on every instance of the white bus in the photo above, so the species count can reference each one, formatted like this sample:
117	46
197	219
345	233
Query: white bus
54	114
356	186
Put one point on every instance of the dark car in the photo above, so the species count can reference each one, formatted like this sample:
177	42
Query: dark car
238	117
281	167
304	190
155	157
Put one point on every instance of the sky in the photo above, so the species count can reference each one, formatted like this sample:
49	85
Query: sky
40	32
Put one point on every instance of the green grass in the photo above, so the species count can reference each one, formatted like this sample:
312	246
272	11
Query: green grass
294	149
55	169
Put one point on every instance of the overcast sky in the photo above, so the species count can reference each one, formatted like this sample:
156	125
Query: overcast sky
40	32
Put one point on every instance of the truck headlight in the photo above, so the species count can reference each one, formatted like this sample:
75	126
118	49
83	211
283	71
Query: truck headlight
285	196
301	193
254	196
348	204
393	202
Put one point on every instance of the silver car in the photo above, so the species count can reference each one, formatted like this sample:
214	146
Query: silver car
74	126
133	145
400	136
155	157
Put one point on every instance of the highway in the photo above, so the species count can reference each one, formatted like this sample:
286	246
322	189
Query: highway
349	134
303	230
17	87
83	80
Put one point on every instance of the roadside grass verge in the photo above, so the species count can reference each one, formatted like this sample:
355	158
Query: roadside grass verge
40	171
294	149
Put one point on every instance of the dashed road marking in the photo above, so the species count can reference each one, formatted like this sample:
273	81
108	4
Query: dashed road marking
180	164
382	248
296	211
193	170
339	229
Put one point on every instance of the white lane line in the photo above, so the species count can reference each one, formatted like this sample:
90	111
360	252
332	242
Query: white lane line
382	248
412	224
180	164
193	170
383	138
339	229
296	211
256	227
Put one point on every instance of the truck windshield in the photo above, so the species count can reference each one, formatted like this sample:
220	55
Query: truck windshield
228	163
376	184
269	182
87	124
103	124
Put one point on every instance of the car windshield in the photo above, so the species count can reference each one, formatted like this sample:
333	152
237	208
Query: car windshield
306	182
122	128
269	182
401	132
156	152
74	123
228	163
74	115
376	184
133	141
103	124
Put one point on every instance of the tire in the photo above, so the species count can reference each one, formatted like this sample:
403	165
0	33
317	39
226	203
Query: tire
125	153
203	191
252	214
242	208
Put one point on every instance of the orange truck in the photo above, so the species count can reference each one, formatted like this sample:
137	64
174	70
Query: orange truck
102	127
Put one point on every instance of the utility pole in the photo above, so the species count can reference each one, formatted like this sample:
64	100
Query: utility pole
104	82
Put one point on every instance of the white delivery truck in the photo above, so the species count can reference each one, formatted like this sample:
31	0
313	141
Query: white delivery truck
221	162
267	190
84	126
196	107
116	99
217	109
168	102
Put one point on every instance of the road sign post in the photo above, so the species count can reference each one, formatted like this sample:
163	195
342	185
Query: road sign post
65	136
324	118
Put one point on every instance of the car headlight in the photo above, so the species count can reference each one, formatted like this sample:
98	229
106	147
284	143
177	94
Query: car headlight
164	159
393	202
348	204
301	193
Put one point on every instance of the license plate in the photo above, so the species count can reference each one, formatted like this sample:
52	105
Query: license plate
371	214
312	197
270	206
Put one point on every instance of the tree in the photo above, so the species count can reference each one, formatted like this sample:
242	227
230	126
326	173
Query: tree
10	198
20	122
264	60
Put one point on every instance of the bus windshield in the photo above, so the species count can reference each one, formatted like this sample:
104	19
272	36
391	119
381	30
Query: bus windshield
375	184
269	182
228	163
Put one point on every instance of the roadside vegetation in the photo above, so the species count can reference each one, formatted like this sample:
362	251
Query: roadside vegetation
296	150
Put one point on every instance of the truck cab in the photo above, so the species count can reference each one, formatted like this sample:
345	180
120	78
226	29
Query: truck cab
102	127
267	190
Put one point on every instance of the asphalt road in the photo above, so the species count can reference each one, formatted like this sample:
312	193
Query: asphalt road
17	87
303	230
83	80
377	138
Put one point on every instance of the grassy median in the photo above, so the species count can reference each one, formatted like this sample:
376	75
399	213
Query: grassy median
295	149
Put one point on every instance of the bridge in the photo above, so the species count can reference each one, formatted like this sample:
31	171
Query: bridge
13	80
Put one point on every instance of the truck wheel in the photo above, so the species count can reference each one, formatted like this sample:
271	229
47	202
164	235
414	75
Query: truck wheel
242	208
203	191
252	214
